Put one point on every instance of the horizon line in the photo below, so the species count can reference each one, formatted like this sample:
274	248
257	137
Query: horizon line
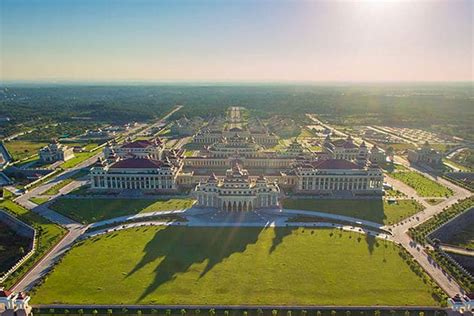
220	82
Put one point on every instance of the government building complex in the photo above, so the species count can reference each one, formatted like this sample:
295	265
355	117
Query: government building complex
236	168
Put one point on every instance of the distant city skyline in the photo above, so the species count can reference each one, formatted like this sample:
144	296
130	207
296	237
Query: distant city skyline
235	41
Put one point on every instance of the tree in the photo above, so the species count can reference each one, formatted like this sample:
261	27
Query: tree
212	312
421	313
139	312
109	312
51	311
245	313
318	313
288	313
333	313
197	312
95	312
66	312
304	312
183	312
348	313
259	312
226	313
407	313
168	312
80	312
124	311
376	312
274	312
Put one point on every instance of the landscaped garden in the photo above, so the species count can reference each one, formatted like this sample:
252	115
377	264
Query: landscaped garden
378	211
284	266
423	186
88	210
48	234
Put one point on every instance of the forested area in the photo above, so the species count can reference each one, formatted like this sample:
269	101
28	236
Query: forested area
416	105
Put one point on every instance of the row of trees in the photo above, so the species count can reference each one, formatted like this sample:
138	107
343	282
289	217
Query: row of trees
421	234
355	105
253	312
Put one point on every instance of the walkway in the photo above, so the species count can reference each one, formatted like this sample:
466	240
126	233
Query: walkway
457	250
216	218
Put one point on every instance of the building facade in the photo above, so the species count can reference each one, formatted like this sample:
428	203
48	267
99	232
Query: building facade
425	155
55	152
235	162
147	175
338	176
150	149
237	192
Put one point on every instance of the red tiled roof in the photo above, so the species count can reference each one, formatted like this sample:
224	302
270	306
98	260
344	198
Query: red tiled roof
335	164
136	163
138	144
5	293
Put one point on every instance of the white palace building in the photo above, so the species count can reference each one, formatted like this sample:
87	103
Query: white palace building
236	192
238	173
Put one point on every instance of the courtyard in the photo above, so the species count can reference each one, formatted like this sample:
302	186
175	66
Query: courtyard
286	266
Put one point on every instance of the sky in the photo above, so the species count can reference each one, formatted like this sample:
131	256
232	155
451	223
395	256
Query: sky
236	40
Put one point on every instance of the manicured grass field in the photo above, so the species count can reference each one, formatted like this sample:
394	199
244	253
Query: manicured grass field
179	265
423	186
378	211
39	200
20	149
78	158
48	235
55	188
92	209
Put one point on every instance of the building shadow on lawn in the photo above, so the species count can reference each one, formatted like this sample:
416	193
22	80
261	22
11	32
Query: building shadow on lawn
180	248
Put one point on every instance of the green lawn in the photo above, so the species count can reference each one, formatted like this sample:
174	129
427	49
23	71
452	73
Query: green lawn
284	266
78	158
20	149
423	186
48	235
92	209
55	188
39	200
378	211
